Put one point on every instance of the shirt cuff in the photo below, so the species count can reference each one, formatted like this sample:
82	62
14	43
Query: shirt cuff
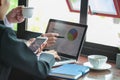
6	22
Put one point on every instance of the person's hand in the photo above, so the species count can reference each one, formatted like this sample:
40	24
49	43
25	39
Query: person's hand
30	41
15	15
38	51
54	53
51	38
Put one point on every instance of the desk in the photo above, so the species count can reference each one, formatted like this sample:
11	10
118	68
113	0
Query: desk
110	74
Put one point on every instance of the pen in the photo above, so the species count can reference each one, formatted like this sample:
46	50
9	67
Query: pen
60	36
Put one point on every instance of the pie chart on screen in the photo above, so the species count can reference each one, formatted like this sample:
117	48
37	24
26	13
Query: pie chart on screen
72	34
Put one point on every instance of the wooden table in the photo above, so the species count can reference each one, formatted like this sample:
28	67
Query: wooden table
110	74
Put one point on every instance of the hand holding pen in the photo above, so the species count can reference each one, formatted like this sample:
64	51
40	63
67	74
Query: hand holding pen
52	37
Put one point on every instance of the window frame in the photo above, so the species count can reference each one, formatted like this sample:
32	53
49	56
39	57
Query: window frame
116	4
21	26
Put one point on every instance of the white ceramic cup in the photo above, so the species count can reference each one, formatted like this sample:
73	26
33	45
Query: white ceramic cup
97	60
118	60
27	12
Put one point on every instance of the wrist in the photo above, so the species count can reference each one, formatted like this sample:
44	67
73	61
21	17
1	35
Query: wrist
8	19
7	22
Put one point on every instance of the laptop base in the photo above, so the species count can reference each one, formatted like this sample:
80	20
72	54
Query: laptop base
64	62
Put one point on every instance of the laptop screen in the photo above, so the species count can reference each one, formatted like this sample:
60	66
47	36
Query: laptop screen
71	37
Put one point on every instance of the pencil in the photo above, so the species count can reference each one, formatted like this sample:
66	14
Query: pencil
60	36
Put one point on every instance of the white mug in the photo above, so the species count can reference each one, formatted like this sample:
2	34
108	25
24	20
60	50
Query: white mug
97	60
27	12
118	60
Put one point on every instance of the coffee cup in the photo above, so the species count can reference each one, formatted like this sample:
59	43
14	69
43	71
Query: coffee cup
97	60
27	12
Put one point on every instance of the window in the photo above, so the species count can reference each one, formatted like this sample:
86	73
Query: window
99	6
98	25
46	9
101	30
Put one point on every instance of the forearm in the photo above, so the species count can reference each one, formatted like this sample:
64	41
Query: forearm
47	58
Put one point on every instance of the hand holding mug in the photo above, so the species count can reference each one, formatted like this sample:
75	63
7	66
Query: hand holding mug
15	15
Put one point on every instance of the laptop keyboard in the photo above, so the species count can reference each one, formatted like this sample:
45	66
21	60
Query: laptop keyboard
62	59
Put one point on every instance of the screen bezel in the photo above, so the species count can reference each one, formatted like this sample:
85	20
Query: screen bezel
70	23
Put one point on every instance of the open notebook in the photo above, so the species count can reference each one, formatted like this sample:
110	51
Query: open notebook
69	44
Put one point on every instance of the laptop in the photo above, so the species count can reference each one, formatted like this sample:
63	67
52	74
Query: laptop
70	40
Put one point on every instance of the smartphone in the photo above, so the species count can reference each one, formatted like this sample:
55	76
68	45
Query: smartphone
37	43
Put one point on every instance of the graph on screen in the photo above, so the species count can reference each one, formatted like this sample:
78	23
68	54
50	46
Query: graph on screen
72	34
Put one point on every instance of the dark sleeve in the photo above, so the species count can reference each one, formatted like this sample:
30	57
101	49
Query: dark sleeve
15	53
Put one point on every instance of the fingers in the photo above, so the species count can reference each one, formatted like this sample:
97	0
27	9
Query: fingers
18	11
50	34
19	16
51	41
51	38
54	53
58	57
38	51
43	46
30	41
15	15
